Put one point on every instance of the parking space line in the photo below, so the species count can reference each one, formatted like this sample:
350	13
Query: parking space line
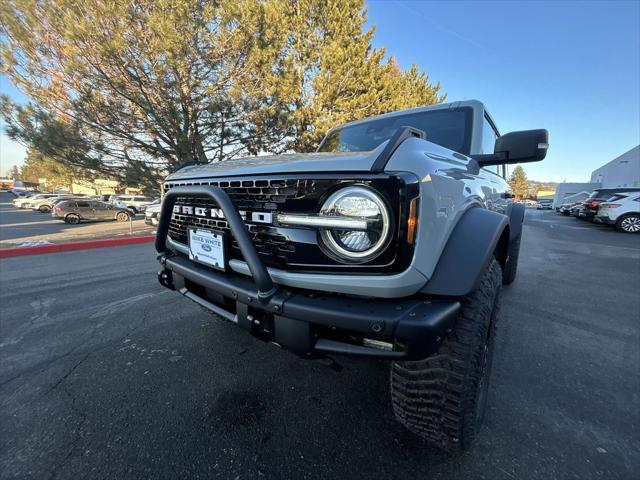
44	222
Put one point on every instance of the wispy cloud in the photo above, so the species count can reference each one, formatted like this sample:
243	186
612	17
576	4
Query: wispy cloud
439	26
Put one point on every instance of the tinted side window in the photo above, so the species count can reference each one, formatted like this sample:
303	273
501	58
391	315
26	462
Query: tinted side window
83	204
488	137
488	143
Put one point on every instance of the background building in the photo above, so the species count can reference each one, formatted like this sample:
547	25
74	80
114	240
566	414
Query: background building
545	194
623	171
565	190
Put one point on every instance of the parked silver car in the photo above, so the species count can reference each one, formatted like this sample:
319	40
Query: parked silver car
75	211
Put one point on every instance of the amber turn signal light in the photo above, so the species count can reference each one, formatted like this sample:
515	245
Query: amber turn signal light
412	221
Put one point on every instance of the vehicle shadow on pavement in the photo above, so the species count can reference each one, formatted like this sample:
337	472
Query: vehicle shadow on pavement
290	413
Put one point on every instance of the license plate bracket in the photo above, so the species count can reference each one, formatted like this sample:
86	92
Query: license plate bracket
207	247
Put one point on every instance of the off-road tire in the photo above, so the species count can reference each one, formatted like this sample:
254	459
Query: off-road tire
628	223
443	398
511	264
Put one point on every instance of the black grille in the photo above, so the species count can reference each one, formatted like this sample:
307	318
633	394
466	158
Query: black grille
260	194
285	195
269	243
284	247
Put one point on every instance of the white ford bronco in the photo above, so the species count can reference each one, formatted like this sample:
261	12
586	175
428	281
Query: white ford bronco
392	241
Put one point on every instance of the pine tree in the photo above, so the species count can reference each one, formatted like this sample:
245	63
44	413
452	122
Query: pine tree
332	74
133	89
159	82
518	182
38	167
14	173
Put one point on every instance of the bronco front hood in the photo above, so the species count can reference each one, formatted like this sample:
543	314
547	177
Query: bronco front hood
283	164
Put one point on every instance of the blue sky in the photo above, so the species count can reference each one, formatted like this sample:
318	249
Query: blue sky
571	67
11	153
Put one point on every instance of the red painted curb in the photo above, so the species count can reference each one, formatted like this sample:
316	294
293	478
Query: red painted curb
65	247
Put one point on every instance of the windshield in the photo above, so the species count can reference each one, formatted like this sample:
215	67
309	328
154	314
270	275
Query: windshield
448	128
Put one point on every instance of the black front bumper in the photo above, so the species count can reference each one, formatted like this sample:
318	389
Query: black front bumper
302	321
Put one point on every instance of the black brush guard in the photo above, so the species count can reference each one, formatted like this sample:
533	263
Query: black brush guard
304	322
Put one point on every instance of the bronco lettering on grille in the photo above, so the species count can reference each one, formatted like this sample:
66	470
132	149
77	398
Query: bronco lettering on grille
256	217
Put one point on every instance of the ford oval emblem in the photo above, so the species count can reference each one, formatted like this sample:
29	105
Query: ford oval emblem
206	248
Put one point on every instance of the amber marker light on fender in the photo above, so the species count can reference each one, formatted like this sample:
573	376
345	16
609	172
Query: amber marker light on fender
412	221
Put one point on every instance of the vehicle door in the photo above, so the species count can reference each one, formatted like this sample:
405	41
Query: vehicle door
102	211
85	210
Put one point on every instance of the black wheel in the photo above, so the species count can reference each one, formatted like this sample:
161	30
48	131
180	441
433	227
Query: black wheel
629	223
122	217
72	219
511	264
44	209
443	398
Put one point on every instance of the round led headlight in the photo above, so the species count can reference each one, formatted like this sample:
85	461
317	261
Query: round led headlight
362	224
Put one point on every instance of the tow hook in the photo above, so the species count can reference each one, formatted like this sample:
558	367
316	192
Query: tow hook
165	277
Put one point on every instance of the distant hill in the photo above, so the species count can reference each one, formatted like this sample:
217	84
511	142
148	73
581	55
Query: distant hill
545	188
542	185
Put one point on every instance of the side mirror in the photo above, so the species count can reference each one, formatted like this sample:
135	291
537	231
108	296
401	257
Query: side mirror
517	147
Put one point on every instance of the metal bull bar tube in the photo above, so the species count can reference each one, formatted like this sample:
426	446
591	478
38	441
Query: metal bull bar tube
266	288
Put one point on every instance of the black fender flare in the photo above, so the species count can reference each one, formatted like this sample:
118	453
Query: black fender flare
515	212
479	235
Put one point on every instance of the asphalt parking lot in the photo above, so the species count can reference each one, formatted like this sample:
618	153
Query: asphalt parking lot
20	226
106	375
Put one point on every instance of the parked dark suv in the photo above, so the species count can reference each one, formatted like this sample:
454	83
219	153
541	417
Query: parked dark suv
589	207
74	211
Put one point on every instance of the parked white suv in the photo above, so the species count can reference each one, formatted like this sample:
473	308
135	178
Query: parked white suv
135	203
623	213
152	213
23	202
45	205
